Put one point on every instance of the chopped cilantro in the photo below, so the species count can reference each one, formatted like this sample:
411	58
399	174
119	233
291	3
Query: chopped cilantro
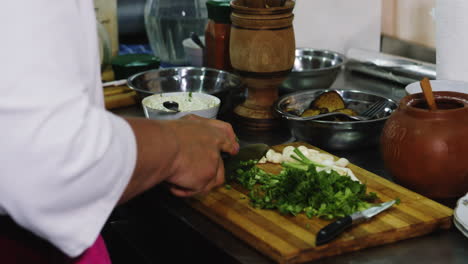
299	188
397	201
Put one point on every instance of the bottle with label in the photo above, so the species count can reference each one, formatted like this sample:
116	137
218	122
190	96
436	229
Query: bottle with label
217	34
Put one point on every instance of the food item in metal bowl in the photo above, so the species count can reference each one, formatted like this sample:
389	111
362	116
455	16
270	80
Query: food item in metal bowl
200	104
329	102
334	135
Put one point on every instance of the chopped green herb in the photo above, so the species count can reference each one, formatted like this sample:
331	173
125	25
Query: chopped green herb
190	96
227	186
397	201
299	188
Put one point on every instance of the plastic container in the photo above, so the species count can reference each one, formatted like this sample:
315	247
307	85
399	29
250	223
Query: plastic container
127	65
169	22
217	32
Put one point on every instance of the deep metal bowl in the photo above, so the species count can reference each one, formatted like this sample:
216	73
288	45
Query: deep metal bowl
219	83
335	135
313	69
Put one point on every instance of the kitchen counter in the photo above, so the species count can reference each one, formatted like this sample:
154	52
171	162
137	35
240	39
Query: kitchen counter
157	227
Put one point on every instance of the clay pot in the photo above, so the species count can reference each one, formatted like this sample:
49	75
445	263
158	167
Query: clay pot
427	151
262	52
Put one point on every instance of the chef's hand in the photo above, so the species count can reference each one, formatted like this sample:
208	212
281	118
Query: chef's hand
184	153
198	167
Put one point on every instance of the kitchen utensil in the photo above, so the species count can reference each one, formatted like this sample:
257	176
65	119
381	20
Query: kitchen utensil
153	106
368	114
248	152
115	83
332	230
331	114
426	150
439	86
221	84
375	109
291	239
389	67
427	91
171	105
262	45
335	135
194	36
313	69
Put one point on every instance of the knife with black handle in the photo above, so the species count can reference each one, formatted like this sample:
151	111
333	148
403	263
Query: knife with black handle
332	230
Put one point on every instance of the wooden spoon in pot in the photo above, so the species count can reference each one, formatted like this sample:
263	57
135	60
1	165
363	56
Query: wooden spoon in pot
427	91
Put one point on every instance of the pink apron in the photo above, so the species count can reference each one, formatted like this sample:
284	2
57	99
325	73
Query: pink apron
20	246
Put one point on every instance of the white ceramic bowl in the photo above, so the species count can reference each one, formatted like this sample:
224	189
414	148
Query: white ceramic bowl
460	216
439	85
153	108
193	53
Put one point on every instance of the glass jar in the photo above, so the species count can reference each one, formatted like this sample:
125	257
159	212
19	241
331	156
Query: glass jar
217	34
169	22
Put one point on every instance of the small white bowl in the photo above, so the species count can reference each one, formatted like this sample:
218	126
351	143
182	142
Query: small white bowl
153	108
439	85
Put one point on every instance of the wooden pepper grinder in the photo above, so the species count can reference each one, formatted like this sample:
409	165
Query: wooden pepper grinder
262	52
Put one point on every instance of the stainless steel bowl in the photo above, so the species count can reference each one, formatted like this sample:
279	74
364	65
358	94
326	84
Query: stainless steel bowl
188	79
313	69
335	135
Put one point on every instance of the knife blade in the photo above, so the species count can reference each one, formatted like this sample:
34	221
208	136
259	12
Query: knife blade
333	229
248	152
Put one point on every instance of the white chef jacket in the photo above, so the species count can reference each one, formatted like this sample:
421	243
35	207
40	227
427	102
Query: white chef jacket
64	160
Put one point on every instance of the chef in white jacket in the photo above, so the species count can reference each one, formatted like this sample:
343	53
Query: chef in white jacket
66	162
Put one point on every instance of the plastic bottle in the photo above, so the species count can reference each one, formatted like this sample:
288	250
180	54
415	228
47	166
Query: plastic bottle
217	34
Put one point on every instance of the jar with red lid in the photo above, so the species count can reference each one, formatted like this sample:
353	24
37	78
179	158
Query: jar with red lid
217	34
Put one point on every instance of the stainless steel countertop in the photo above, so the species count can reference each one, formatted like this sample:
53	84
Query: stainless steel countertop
445	246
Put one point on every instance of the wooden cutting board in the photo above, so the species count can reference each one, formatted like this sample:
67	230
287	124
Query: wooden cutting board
291	239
